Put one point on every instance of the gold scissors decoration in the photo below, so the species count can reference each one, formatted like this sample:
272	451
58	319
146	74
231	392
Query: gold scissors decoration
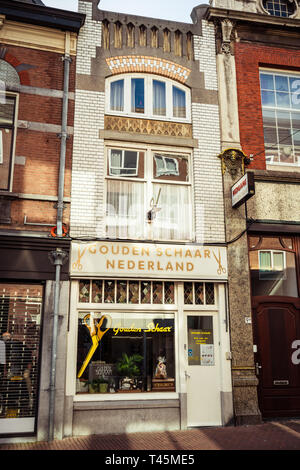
96	336
221	269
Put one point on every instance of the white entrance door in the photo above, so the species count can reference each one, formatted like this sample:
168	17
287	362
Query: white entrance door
202	369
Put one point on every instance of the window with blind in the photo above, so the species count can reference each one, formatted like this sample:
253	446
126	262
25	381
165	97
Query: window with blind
148	194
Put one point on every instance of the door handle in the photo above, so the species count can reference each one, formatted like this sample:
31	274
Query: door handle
187	376
257	367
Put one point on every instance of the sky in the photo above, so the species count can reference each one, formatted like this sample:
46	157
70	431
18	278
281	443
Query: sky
173	10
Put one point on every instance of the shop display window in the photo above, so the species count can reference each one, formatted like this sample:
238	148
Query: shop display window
125	352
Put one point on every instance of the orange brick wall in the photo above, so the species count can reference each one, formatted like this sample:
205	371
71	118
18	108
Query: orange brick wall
249	58
41	149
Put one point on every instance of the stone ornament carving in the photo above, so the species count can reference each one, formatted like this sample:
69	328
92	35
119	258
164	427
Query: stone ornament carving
147	126
234	161
226	28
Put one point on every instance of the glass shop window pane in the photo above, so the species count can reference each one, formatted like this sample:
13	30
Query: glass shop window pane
133	352
295	92
269	117
137	95
267	98
281	83
200	340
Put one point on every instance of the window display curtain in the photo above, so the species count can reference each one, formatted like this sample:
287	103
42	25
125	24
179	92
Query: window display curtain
173	221
159	98
117	95
125	214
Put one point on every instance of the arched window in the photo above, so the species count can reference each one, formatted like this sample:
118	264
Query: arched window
283	8
8	74
149	96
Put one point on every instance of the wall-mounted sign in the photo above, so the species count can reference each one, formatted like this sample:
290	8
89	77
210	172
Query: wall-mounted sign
138	260
243	189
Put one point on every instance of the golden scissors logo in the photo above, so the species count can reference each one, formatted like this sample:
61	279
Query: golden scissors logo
221	269
77	264
96	334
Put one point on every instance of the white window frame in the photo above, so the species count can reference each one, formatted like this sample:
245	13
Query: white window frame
148	97
150	180
3	94
272	252
275	147
122	167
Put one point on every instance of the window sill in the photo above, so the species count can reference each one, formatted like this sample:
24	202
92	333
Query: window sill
88	398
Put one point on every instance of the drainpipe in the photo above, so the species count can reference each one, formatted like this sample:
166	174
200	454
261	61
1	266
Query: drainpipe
59	257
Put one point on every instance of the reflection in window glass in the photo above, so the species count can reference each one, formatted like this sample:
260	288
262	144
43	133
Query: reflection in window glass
273	273
137	95
135	353
117	95
280	96
159	98
200	341
179	105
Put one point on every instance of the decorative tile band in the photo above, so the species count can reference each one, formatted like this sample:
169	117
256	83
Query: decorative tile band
147	126
163	67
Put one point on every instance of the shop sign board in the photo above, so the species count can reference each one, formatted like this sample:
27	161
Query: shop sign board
243	189
157	261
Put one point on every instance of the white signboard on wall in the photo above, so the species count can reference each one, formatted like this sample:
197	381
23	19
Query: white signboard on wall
139	260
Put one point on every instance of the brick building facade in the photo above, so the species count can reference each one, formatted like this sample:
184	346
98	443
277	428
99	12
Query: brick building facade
258	57
35	44
148	261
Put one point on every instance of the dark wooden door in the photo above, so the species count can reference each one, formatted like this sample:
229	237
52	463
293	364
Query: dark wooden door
276	325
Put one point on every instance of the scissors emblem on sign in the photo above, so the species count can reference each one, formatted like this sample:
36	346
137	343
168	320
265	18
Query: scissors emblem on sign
96	335
77	264
221	269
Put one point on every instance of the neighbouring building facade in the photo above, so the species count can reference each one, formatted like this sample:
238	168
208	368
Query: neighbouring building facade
148	344
258	68
36	104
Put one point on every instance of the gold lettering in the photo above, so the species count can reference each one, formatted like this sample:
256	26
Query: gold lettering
141	264
178	252
150	265
92	249
135	250
110	264
169	267
115	249
188	253
103	249
121	264
159	268
198	254
159	252
179	266
131	264
189	266
145	251
125	250
206	253
167	251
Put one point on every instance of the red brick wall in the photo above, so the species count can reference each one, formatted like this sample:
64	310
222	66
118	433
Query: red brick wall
41	150
249	58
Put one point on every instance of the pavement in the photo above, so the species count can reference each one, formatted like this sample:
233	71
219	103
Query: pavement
270	435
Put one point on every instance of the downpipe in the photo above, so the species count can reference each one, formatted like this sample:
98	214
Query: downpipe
59	257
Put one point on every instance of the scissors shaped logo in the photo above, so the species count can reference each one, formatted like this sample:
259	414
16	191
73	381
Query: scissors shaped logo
77	264
221	269
96	333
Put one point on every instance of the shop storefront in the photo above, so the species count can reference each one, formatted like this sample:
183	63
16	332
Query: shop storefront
148	342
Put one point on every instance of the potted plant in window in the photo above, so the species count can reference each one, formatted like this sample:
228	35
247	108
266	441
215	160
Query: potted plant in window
103	385
127	368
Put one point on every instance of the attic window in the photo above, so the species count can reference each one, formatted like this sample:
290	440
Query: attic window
282	8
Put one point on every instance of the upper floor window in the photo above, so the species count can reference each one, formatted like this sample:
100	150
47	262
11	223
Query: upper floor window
283	8
7	138
148	194
280	97
148	96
